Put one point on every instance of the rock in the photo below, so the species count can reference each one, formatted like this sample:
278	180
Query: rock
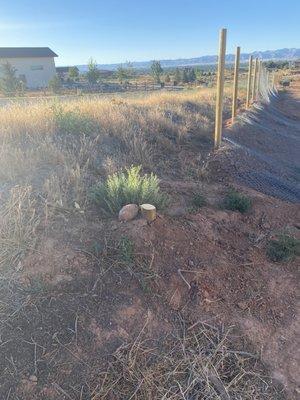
128	212
242	305
191	263
33	378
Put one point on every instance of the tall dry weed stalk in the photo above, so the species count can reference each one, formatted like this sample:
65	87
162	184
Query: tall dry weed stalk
18	224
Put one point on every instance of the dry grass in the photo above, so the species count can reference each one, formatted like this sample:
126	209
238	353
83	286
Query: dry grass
61	149
109	114
200	363
17	227
57	146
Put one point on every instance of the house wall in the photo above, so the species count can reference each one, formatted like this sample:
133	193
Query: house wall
37	71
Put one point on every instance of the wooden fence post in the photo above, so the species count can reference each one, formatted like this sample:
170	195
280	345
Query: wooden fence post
220	88
259	74
235	83
249	82
273	81
253	98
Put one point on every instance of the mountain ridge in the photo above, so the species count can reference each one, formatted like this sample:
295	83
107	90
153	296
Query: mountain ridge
278	55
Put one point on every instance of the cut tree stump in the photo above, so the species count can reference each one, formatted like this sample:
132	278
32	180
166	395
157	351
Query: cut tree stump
149	212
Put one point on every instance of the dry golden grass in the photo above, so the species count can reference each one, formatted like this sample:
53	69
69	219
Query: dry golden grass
110	114
200	363
47	133
18	225
62	148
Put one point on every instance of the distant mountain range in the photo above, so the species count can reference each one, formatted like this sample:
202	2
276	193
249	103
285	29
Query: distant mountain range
281	54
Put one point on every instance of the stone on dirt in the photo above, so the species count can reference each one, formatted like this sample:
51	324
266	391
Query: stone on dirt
128	212
33	378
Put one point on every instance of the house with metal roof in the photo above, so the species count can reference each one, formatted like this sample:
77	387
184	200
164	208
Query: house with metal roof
35	66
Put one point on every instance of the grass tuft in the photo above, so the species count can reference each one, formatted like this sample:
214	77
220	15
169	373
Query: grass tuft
126	250
200	363
17	227
236	201
283	248
127	187
198	200
72	121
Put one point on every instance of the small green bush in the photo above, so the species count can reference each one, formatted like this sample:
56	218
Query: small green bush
71	122
126	250
283	248
198	200
128	187
236	201
55	84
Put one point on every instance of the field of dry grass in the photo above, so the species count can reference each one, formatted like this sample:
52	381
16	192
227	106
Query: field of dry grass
55	151
55	145
52	153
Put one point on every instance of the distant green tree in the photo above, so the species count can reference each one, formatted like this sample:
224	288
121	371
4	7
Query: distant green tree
122	74
198	72
192	75
185	76
156	70
276	64
73	73
167	78
9	83
93	73
177	75
130	69
55	84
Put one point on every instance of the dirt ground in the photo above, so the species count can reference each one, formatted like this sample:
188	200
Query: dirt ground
93	284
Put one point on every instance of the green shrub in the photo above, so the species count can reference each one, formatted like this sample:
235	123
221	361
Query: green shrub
128	187
72	122
236	201
9	83
126	250
198	200
283	248
55	84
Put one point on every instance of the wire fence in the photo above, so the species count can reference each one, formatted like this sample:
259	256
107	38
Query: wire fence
261	85
266	139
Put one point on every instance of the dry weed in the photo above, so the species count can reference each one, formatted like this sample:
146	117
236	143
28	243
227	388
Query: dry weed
60	148
200	363
18	226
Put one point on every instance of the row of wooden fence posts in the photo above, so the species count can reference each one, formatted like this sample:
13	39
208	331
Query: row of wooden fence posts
255	74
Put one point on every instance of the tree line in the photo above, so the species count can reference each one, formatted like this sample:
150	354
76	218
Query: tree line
12	85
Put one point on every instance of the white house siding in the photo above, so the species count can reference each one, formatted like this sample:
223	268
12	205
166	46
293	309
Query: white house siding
38	71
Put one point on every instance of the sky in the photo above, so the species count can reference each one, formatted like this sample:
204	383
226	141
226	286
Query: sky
113	31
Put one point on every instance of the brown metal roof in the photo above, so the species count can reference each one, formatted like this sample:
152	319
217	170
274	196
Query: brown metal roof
23	52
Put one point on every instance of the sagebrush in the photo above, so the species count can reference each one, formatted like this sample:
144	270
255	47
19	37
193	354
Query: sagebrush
236	201
128	187
283	248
